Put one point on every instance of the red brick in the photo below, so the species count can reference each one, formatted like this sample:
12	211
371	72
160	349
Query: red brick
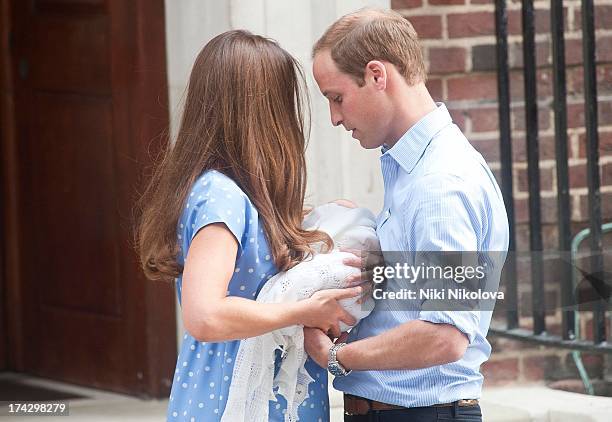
427	26
546	148
606	206
544	84
548	210
543	54
484	58
603	17
575	81
554	329
446	60
549	216
406	4
501	345
473	87
435	88
458	116
550	236
588	333
603	49
515	24
544	80
593	363
575	114
522	236
604	113
604	79
500	371
551	301
546	179
484	119
578	175
606	174
523	271
573	52
470	24
489	148
605	144
542	20
539	368
521	210
518	118
445	2
517	85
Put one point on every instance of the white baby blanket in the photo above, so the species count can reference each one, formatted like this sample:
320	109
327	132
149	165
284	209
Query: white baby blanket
253	382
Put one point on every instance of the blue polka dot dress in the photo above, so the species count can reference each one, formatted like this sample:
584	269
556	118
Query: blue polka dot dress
204	370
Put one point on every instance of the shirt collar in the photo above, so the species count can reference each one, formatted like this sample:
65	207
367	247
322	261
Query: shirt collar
410	147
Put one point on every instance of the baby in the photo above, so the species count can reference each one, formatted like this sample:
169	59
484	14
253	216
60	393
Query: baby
253	385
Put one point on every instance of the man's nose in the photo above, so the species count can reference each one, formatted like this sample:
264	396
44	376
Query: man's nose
336	118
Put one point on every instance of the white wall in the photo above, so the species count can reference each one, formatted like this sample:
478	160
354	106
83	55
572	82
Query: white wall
337	166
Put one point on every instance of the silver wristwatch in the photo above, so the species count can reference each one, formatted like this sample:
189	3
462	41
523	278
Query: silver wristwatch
333	366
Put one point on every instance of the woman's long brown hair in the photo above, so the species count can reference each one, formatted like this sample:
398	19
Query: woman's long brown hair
243	116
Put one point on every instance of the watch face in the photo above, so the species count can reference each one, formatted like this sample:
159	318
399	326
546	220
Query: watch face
335	370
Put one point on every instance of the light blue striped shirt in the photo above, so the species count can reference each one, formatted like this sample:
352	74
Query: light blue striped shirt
440	195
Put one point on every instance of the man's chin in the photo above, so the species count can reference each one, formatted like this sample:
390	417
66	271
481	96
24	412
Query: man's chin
367	145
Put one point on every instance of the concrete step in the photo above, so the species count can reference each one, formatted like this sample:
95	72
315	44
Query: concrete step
532	403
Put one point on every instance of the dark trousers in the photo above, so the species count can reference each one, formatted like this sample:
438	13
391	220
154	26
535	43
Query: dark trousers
421	414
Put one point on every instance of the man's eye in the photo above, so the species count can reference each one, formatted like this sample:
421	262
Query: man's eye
338	99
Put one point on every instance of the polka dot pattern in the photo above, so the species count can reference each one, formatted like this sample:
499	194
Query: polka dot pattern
204	370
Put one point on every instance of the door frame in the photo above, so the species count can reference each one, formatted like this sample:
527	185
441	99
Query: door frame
8	213
147	109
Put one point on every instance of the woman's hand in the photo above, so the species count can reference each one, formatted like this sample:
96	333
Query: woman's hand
317	345
323	311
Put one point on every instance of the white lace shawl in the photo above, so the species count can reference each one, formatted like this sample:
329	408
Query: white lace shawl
253	383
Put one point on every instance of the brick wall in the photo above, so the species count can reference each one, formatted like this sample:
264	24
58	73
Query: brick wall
459	44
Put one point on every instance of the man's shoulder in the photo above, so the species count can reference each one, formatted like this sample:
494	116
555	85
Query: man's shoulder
450	152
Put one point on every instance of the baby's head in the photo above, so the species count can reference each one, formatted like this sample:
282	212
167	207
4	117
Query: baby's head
345	203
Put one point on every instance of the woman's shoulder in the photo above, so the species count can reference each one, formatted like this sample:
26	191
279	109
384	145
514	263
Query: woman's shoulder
213	183
216	198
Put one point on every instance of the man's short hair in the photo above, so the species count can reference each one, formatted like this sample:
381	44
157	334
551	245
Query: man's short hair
374	34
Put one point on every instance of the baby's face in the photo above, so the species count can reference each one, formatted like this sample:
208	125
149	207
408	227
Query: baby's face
345	203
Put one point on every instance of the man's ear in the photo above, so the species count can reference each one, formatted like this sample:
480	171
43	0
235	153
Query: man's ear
377	73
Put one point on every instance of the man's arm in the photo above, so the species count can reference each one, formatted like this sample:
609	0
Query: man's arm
412	345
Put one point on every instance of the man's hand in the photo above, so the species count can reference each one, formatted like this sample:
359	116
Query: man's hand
365	261
317	345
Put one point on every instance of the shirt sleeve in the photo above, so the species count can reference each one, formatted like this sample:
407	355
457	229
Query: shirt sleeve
217	199
448	218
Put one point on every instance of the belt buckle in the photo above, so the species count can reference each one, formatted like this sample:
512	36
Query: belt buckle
467	402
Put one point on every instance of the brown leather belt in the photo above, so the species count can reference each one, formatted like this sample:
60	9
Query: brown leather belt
354	405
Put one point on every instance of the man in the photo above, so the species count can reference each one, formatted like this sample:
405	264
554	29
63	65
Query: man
415	363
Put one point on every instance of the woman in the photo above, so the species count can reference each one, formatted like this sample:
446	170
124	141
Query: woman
233	186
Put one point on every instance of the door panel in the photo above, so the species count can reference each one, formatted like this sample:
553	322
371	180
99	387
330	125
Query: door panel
76	207
90	96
